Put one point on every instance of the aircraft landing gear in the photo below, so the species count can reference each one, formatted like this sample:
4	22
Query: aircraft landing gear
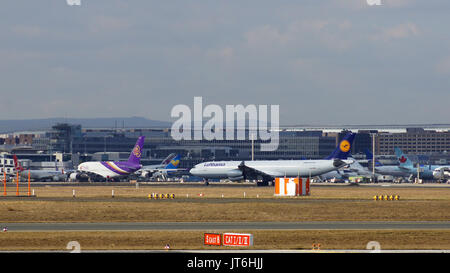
263	183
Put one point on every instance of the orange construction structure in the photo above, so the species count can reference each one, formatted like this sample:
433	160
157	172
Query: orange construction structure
17	185
292	186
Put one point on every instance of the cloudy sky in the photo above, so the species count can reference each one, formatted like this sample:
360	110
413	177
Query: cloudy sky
322	62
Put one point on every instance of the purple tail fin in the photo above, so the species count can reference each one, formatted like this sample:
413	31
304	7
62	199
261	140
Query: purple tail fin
136	153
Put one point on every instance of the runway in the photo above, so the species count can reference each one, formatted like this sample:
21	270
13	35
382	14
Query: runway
211	226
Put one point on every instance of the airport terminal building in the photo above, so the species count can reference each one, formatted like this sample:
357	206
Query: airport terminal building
76	144
159	143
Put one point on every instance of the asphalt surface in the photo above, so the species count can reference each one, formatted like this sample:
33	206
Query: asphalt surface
208	226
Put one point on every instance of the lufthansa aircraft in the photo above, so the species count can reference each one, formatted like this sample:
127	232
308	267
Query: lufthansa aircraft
112	169
267	170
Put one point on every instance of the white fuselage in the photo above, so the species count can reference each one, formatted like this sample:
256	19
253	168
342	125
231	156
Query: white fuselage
107	169
274	168
394	171
96	168
441	173
43	174
354	169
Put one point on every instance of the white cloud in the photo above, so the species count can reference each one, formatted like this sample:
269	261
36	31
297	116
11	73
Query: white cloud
225	53
398	3
28	31
402	31
266	36
289	52
331	34
364	4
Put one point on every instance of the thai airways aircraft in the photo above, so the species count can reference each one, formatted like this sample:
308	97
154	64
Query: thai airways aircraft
267	170
40	175
112	169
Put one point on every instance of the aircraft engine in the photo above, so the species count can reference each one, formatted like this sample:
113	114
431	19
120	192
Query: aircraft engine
235	175
236	178
73	176
338	163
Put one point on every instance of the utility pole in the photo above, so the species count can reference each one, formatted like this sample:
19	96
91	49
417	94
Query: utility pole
253	147
373	157
418	172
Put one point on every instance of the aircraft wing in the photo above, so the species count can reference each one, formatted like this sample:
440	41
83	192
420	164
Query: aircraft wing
404	168
170	170
150	169
249	172
70	171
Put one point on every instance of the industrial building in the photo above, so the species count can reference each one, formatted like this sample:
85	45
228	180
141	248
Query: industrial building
6	164
423	145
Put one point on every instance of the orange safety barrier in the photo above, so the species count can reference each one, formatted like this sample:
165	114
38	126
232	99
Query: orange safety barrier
4	183
292	186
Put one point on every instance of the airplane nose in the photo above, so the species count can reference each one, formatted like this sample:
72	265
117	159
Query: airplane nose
193	171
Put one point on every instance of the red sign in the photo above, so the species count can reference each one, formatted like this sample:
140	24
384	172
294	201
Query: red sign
237	239
212	239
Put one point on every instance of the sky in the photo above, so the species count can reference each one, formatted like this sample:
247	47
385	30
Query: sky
323	62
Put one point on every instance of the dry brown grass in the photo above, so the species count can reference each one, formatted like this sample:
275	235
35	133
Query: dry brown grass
317	192
274	239
94	204
156	211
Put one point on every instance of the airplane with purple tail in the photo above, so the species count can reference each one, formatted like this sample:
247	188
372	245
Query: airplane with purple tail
113	169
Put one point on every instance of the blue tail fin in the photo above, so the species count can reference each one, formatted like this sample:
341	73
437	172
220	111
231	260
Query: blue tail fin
369	157
136	153
403	160
169	158
173	164
343	150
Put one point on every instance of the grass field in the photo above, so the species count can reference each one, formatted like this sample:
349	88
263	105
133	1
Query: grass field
131	204
263	239
95	204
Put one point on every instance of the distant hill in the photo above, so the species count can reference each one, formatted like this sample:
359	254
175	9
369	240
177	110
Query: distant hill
9	126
